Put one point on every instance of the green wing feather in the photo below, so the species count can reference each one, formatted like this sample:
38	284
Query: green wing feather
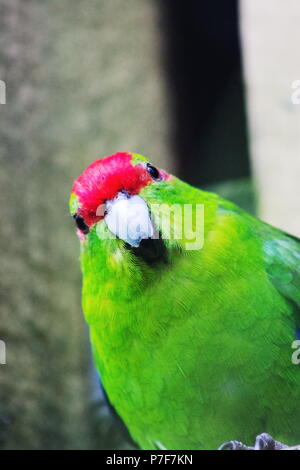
282	257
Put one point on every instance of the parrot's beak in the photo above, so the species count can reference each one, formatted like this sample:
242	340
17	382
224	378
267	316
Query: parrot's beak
128	218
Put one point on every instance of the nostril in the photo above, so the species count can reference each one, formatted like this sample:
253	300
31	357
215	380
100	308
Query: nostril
126	193
79	220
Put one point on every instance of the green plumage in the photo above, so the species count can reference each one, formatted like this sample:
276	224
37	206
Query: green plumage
195	349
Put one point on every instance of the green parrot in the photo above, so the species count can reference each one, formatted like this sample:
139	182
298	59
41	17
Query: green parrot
193	309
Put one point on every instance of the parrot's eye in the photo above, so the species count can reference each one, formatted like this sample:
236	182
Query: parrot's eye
81	223
153	172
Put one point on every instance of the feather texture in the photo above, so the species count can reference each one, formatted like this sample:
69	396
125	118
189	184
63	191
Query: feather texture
196	350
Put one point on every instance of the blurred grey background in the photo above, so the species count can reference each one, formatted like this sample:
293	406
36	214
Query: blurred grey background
204	89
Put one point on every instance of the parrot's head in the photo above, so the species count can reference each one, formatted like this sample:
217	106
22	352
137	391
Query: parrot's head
134	222
114	194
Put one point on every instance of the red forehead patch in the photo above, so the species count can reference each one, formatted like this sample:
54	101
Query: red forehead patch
102	181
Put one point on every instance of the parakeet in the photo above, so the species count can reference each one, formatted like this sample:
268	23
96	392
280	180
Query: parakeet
192	305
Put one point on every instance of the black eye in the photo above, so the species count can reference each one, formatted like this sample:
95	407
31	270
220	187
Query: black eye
153	172
81	223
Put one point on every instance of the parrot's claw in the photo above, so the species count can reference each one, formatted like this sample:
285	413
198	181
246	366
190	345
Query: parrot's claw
262	442
266	442
234	445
